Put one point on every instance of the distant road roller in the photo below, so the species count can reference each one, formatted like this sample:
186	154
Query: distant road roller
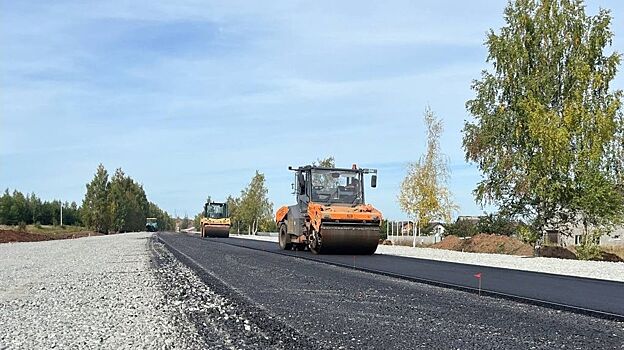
216	220
331	216
151	224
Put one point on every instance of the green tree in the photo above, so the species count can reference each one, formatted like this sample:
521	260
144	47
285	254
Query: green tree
548	131
462	228
197	221
497	224
254	211
424	194
128	203
118	201
6	201
329	162
49	213
186	223
233	204
35	206
71	214
95	206
19	211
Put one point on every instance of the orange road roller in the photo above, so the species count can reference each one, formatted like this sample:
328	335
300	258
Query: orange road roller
331	216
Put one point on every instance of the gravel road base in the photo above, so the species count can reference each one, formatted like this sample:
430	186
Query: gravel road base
99	292
125	291
613	271
224	318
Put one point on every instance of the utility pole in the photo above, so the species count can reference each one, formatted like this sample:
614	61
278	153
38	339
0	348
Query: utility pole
61	213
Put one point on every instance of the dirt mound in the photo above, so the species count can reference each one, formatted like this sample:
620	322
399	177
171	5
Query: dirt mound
557	252
16	236
7	236
452	243
484	243
606	256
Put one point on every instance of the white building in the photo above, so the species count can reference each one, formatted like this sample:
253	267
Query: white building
576	236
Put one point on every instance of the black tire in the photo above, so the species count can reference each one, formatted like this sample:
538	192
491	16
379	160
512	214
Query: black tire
284	238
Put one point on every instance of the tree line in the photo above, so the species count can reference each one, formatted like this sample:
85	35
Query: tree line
19	209
119	204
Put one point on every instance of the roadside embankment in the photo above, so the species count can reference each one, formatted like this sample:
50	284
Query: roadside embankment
32	233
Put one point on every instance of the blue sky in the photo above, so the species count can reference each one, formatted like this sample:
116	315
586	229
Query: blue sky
191	97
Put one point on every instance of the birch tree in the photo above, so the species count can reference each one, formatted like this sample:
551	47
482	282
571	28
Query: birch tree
424	194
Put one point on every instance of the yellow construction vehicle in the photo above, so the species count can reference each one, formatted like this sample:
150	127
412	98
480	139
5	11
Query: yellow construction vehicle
216	221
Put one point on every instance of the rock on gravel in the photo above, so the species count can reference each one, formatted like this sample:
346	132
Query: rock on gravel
97	292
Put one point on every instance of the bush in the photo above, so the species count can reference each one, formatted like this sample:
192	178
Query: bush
21	226
462	228
589	249
527	234
38	225
268	226
497	224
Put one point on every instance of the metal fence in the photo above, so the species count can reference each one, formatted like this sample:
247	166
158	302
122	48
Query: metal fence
405	232
401	228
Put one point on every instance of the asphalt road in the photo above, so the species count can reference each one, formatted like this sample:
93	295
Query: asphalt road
596	296
326	306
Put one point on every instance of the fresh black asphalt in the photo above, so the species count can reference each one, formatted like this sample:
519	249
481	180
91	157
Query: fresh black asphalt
574	292
327	306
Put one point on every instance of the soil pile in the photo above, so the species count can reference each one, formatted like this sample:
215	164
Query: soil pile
606	256
557	252
16	236
7	236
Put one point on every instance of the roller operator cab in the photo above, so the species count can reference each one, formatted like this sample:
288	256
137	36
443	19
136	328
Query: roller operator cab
216	220
331	215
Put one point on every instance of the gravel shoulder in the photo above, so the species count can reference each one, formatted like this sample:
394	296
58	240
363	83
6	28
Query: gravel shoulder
98	292
591	269
125	291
